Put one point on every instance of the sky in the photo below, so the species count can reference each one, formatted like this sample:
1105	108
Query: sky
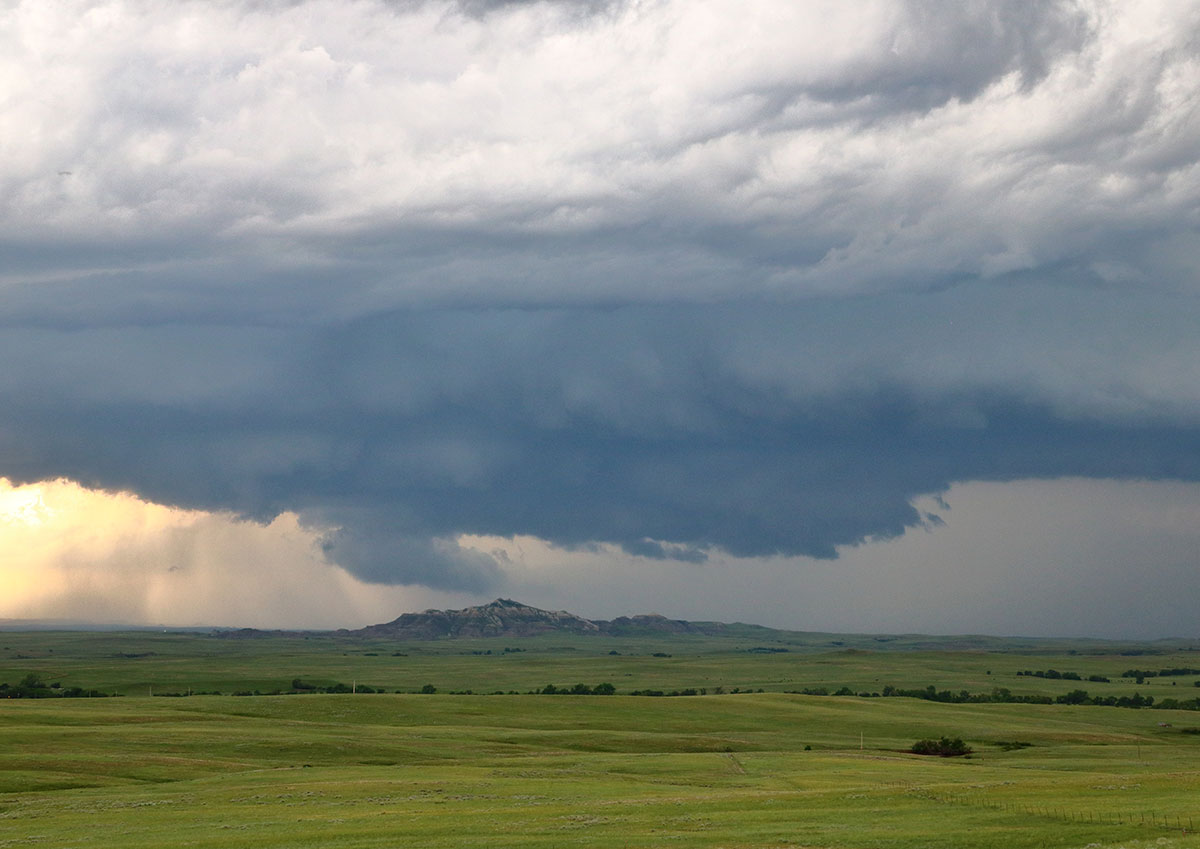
874	317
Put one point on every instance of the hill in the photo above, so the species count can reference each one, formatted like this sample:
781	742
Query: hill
505	618
508	618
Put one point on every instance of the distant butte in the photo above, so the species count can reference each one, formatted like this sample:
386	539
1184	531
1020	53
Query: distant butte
506	618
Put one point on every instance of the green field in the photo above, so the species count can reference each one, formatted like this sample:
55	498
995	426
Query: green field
750	769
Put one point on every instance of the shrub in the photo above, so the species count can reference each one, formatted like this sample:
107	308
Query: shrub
1075	697
943	748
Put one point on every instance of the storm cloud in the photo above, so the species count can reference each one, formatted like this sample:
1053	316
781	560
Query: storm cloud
666	429
680	277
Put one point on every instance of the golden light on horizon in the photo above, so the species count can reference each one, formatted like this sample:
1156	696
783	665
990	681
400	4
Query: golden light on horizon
73	553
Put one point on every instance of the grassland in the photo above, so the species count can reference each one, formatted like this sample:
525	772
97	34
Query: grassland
140	662
738	770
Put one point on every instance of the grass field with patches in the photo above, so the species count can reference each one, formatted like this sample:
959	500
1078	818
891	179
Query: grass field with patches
141	662
748	770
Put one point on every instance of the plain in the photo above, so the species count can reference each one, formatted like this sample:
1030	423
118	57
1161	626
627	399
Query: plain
525	769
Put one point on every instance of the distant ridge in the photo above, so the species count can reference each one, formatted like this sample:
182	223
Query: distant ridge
507	618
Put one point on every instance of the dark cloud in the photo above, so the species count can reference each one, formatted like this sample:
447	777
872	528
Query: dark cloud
667	430
369	544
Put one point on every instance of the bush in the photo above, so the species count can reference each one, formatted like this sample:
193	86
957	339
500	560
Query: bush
943	748
1075	697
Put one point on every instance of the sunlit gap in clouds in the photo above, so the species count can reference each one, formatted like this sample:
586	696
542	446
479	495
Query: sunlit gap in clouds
84	555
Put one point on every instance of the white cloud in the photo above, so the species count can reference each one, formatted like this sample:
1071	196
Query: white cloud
897	143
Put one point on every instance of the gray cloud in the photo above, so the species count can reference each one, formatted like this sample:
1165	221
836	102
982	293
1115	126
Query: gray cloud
756	429
676	276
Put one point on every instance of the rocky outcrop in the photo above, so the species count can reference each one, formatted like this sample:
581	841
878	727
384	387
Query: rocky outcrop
500	618
503	618
653	623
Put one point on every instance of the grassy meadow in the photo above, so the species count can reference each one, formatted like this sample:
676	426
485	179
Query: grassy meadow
745	769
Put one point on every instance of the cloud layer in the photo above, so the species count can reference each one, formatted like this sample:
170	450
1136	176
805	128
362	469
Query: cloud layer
684	278
564	153
757	430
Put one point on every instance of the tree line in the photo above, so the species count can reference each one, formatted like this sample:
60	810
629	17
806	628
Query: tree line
1002	695
33	687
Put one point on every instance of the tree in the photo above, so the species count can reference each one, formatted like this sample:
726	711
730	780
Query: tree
943	748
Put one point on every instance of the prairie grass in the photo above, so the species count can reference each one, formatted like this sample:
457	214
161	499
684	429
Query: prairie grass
716	771
739	771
